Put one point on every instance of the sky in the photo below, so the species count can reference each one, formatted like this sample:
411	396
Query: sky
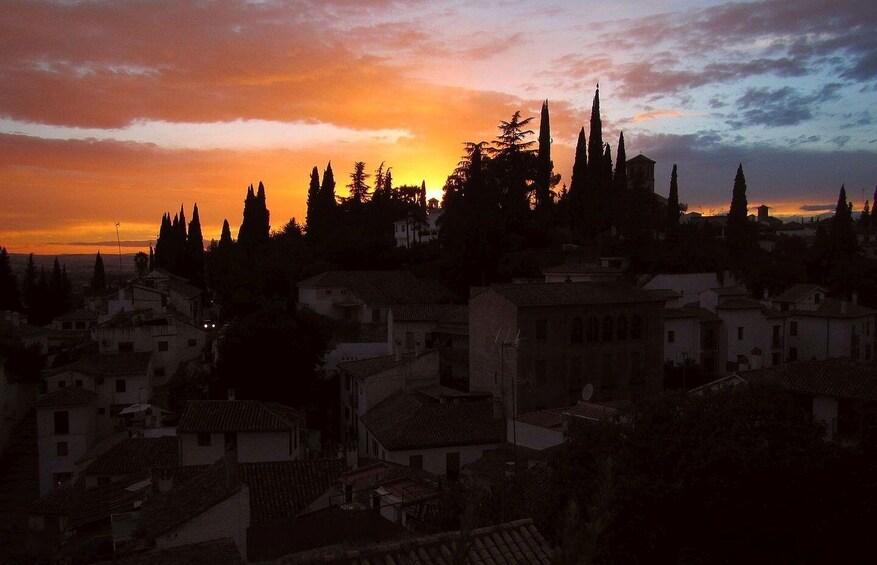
117	111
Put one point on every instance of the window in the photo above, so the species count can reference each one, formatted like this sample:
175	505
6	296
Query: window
576	329
541	329
593	330
328	292
817	298
775	358
709	338
121	385
415	461
62	384
192	342
346	382
126	346
78	383
61	448
636	327
452	464
80	325
793	328
376	315
621	331
775	337
231	441
204	439
162	345
607	328
409	341
739	333
66	325
158	371
101	411
62	423
793	354
671	336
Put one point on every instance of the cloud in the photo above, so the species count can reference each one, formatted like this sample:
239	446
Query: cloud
784	106
655	114
817	207
123	243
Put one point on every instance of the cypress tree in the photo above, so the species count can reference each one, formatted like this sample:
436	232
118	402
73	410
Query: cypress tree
842	237
225	239
595	143
195	248
544	165
244	232
579	168
865	216
673	210
99	278
620	197
151	263
29	284
620	177
312	218
163	244
388	183
9	298
327	191
421	195
737	231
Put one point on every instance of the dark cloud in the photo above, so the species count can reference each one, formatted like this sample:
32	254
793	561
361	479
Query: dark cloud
784	106
817	207
122	243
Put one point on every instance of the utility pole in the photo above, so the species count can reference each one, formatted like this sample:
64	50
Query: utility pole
119	242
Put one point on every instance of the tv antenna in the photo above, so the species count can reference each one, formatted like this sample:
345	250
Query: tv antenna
119	242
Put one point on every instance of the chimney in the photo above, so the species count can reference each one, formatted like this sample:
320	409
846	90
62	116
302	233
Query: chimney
231	395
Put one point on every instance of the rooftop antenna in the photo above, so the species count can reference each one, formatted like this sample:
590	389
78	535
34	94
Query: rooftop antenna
119	242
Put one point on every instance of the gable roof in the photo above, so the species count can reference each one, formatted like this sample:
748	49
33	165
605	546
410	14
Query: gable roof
282	489
797	292
409	421
639	158
96	505
56	502
68	396
109	364
135	454
383	288
231	416
504	544
837	308
572	293
214	552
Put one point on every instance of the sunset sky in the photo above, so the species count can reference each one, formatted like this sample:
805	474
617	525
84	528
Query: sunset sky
119	111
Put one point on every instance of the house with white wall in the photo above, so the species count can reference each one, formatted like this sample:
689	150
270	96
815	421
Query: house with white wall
66	430
411	230
440	438
253	431
691	334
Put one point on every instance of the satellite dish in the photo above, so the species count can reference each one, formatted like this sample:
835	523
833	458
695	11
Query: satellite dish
587	392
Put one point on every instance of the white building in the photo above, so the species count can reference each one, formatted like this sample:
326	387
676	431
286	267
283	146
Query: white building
254	431
66	430
438	437
412	230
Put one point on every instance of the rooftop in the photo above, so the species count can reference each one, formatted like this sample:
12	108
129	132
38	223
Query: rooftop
739	304
384	288
548	419
232	416
572	293
135	454
429	312
214	552
409	421
591	411
110	364
827	378
69	396
797	292
281	489
505	544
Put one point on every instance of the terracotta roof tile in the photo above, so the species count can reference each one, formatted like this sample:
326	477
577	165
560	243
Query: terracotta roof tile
281	489
231	416
410	421
505	544
828	378
135	454
214	552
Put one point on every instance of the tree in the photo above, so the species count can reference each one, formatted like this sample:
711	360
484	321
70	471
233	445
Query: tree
544	165
29	283
195	250
225	240
99	278
312	218
256	226
359	189
673	211
737	233
9	299
865	216
141	264
842	236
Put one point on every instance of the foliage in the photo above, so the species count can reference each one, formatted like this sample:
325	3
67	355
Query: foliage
9	299
99	278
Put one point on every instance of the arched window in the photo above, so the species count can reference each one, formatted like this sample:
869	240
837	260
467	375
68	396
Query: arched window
607	328
575	330
636	327
621	330
593	330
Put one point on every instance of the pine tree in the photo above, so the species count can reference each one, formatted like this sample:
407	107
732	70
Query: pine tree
312	220
388	184
544	165
380	193
673	210
99	278
9	298
359	189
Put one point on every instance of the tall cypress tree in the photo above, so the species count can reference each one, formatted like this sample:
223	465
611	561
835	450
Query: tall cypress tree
595	143
620	196
673	210
225	239
151	264
195	248
543	164
737	232
9	298
312	219
579	168
263	215
842	237
865	216
99	278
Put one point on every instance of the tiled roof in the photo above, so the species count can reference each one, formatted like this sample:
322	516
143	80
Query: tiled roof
189	499
701	314
69	396
739	304
282	489
362	368
837	308
580	269
549	419
797	292
590	411
494	464
56	502
572	293
184	289
639	158
135	454
505	544
230	416
383	288
428	312
110	364
827	378
95	505
665	293
214	552
409	421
